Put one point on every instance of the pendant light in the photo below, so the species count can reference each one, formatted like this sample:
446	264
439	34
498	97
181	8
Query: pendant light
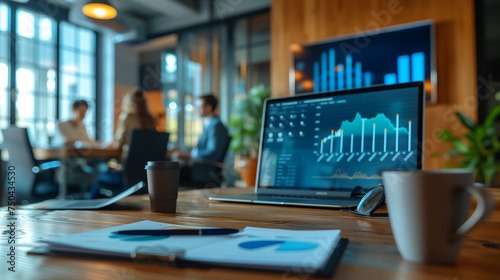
99	9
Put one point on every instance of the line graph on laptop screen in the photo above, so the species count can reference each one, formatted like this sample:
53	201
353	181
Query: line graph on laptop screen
338	142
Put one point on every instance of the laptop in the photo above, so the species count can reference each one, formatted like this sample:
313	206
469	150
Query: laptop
329	149
82	204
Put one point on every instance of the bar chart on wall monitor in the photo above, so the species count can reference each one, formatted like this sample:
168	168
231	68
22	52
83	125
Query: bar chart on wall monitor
329	75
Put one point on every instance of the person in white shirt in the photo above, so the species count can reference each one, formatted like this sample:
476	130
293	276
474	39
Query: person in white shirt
74	130
78	172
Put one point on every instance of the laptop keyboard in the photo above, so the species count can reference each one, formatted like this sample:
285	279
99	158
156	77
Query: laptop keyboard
323	200
306	197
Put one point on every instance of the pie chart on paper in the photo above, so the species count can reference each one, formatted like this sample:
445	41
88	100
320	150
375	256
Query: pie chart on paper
280	245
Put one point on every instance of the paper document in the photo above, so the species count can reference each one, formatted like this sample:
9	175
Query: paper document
253	247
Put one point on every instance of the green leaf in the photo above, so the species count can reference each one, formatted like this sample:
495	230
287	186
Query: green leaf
246	120
490	118
489	174
460	146
475	144
481	132
473	163
435	155
466	121
235	144
445	135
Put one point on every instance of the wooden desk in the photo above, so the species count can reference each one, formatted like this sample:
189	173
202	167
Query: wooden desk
64	153
371	253
58	153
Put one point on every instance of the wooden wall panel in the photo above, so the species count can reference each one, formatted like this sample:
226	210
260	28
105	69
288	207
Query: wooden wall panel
309	21
156	103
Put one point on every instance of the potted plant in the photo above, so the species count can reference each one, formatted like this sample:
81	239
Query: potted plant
478	148
244	127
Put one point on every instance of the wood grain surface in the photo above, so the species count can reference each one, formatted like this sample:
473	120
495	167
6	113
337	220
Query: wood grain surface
371	253
58	153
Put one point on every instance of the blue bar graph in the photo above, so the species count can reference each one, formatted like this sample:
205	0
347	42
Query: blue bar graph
358	75
417	67
390	79
340	76
316	76
330	76
324	71
348	71
404	69
395	56
368	79
332	68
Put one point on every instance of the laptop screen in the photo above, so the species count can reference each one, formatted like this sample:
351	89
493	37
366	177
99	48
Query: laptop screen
339	140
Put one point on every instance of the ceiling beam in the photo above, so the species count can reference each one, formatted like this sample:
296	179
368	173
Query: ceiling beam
170	8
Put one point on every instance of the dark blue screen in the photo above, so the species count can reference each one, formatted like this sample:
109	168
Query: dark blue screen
378	58
340	141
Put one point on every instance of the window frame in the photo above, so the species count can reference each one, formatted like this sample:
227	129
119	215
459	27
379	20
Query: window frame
227	82
5	116
58	15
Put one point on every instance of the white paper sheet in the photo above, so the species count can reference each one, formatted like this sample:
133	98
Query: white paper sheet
252	247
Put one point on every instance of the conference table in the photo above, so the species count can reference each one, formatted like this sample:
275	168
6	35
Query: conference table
62	152
65	154
370	254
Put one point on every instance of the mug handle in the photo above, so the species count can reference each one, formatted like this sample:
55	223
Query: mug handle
485	206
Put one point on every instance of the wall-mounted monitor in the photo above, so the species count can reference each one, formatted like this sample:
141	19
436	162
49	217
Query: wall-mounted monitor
392	55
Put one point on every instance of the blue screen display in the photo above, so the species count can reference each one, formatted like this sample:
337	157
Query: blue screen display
379	58
338	141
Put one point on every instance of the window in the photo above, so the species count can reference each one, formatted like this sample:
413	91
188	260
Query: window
35	74
4	66
169	80
77	80
198	67
207	61
252	39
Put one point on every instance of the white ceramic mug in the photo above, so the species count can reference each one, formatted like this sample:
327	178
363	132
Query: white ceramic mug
428	211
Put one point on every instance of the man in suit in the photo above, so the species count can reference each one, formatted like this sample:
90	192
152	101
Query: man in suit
213	141
212	144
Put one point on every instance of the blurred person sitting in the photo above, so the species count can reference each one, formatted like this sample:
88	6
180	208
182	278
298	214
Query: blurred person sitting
74	130
213	140
78	172
135	114
203	163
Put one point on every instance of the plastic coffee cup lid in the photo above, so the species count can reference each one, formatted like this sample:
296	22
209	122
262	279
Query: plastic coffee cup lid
163	165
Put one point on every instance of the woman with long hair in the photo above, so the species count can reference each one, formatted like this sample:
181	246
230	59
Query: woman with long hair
135	115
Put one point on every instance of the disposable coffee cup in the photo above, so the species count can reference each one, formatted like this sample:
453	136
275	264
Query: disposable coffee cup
163	185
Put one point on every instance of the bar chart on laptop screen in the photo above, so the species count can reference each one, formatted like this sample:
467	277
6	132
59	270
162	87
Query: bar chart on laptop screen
340	142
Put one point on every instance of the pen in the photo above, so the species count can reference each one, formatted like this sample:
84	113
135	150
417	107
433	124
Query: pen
205	231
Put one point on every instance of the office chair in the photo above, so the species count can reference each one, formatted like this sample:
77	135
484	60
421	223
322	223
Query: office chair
34	179
144	146
204	173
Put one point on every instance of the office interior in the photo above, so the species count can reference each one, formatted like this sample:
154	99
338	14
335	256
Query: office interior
52	54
